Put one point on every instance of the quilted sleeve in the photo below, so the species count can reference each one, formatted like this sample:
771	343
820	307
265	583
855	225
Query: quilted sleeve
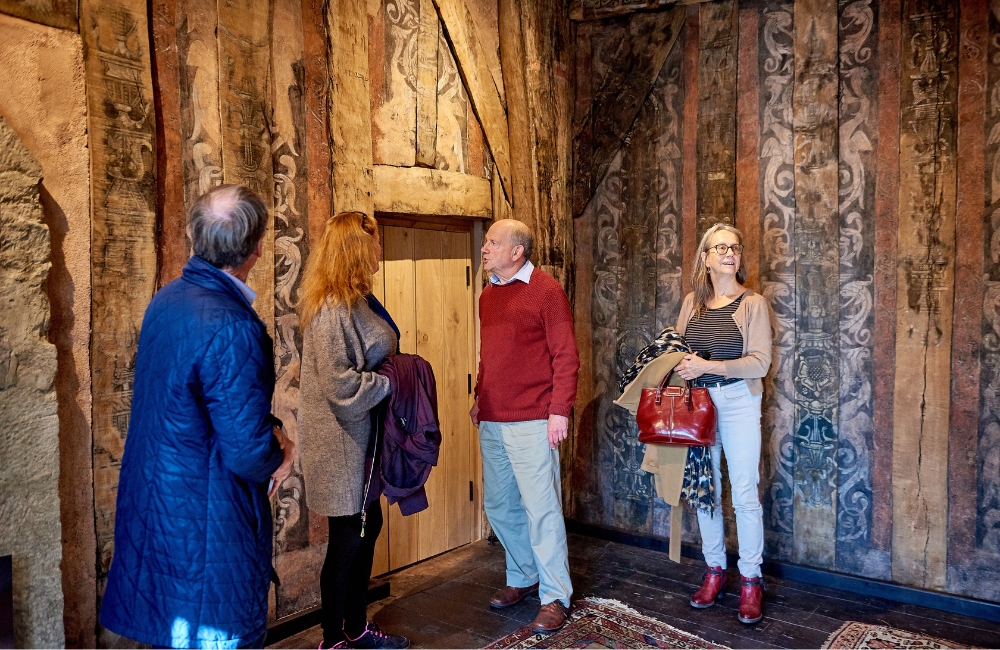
237	382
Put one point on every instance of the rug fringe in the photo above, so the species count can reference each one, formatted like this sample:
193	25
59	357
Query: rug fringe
611	602
830	639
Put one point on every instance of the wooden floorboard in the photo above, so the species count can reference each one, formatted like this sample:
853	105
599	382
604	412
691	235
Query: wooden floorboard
443	602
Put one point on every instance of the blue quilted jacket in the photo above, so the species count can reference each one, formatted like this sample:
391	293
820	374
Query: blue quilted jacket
192	554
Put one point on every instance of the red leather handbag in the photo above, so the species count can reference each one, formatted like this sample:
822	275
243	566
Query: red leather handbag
681	416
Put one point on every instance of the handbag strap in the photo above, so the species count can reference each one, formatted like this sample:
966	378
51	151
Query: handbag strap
663	384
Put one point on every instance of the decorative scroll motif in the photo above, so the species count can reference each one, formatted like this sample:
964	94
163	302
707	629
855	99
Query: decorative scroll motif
858	97
124	256
636	296
452	112
668	94
988	462
925	278
396	119
291	224
777	273
608	418
717	114
245	94
198	76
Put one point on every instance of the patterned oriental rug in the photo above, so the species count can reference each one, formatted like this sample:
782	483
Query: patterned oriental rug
856	636
603	623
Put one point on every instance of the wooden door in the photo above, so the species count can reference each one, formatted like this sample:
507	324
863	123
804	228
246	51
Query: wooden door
426	282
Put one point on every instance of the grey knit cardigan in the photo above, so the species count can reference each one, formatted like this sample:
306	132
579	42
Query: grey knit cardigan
339	388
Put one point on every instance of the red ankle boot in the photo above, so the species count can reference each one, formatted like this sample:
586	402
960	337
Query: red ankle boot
751	595
712	588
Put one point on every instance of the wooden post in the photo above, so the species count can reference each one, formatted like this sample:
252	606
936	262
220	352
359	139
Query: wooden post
815	368
925	277
427	81
290	162
777	268
859	65
172	247
349	107
245	108
717	49
518	117
123	196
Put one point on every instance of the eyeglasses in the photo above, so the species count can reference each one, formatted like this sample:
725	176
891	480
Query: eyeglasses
722	249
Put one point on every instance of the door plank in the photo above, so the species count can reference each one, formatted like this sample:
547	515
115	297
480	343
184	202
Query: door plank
398	274
433	345
381	563
453	389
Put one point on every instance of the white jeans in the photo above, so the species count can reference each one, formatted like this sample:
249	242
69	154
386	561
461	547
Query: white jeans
739	436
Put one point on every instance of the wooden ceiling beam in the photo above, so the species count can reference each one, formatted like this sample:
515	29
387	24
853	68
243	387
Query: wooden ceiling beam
434	192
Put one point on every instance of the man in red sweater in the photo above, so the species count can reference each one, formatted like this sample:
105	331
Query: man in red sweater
524	392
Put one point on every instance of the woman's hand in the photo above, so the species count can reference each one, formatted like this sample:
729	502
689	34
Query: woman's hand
692	366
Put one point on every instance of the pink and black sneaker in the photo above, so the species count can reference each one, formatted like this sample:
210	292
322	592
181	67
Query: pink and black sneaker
373	637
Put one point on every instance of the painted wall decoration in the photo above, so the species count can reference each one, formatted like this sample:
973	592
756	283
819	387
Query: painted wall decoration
636	292
776	264
717	47
880	421
858	139
123	198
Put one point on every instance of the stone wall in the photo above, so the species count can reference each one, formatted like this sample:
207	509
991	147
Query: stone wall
44	103
30	529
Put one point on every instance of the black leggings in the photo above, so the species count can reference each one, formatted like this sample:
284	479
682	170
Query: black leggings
346	574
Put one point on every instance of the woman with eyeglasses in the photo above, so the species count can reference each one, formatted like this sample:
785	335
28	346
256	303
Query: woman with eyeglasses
729	328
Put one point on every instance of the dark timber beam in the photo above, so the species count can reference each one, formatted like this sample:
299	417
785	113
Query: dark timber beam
581	10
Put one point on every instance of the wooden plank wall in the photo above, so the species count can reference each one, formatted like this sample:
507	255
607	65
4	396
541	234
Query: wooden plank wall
866	160
122	130
244	92
635	246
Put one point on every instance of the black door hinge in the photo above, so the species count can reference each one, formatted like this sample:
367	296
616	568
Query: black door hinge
470	384
470	490
468	276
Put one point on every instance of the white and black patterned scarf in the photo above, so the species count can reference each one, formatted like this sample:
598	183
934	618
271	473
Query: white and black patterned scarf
698	488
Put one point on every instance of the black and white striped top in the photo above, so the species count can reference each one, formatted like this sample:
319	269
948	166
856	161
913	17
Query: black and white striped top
716	332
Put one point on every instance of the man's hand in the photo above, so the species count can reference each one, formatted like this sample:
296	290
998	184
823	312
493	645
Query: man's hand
558	429
474	413
285	468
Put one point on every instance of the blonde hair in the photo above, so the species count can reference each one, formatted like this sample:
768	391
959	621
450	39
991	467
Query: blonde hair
700	278
339	269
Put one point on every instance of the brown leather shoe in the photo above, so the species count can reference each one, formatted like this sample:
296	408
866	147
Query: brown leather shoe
551	617
511	596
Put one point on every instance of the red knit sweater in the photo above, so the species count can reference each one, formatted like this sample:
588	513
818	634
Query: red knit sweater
528	362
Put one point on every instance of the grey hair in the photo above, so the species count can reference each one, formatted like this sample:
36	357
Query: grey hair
225	225
521	236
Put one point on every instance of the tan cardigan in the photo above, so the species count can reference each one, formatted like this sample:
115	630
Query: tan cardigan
753	319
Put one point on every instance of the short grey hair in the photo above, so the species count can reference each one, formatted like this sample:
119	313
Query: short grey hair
521	236
225	225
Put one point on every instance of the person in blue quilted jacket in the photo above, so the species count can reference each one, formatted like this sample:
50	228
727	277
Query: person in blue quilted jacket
192	553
